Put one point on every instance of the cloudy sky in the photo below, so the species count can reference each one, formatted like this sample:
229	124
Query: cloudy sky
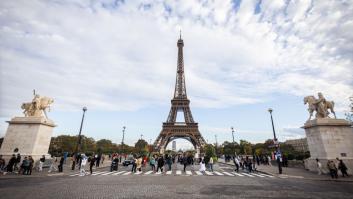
118	58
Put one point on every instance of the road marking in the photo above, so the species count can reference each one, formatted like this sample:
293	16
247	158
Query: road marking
235	173
120	172
127	173
178	172
148	172
75	174
209	173
169	172
218	173
188	173
138	173
99	173
258	175
267	175
199	173
229	174
108	173
248	175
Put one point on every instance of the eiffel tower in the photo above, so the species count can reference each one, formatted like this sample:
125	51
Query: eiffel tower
180	103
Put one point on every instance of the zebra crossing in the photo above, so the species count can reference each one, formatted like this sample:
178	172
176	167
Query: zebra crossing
176	173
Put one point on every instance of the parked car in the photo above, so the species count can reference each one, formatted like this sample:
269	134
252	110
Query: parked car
127	162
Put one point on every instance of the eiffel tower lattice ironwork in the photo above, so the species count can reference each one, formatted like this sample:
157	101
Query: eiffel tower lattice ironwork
180	103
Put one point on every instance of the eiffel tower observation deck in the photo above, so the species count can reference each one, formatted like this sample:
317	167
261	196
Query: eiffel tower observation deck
173	129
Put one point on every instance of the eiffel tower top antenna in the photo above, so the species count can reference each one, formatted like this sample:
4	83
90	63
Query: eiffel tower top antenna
180	34
180	88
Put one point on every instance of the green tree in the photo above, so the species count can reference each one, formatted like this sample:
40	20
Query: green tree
141	147
106	146
228	148
245	147
210	150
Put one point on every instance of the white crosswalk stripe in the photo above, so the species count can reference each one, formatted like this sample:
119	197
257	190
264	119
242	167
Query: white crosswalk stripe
138	172
261	176
218	173
237	174
248	175
199	173
209	173
108	173
120	172
180	173
99	173
229	174
148	172
127	173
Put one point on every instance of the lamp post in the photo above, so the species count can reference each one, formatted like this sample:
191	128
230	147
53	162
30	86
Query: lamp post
278	153
216	145
122	141
78	145
233	141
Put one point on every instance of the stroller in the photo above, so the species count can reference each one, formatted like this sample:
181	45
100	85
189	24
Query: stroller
114	165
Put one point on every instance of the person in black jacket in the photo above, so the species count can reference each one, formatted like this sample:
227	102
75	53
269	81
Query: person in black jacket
92	161
61	163
160	163
11	163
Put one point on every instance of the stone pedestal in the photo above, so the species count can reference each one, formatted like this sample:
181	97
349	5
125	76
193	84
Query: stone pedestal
31	135
329	139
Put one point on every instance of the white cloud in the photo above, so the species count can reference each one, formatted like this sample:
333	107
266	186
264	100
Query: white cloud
120	55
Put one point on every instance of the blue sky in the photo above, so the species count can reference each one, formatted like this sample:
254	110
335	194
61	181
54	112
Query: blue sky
118	58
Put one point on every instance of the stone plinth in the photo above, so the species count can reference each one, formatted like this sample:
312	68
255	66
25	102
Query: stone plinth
329	139
31	135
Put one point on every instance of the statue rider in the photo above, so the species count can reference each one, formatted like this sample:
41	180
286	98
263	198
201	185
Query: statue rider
321	106
36	105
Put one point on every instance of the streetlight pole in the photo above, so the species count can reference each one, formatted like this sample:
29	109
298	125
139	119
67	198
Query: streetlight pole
278	153
216	145
234	153
78	145
122	141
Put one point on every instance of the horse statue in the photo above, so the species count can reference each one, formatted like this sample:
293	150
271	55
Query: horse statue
37	106
320	106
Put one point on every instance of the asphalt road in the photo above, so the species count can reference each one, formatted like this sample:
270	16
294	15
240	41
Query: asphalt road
170	186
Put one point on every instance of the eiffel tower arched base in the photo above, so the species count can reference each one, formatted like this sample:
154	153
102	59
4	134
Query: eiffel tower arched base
172	131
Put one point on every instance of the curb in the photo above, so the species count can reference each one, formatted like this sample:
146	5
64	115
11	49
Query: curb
277	175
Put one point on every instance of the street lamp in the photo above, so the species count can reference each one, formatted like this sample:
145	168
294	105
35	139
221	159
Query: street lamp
278	153
122	141
78	145
233	141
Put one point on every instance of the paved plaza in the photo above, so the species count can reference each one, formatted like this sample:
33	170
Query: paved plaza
223	182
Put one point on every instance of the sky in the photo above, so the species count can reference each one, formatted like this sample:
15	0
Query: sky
118	58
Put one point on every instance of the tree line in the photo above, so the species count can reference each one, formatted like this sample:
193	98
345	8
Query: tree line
67	143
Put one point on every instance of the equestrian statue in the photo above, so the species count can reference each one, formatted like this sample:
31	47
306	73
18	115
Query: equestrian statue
321	106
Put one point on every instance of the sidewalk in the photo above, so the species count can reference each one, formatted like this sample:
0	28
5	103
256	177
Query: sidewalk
294	173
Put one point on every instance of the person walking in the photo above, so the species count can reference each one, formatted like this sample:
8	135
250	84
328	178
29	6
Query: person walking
343	168
61	163
169	162
25	166
139	164
319	166
202	166
41	163
333	170
10	165
185	162
92	161
269	160
160	164
18	162
236	164
152	164
2	164
31	164
83	164
210	163
53	164
134	162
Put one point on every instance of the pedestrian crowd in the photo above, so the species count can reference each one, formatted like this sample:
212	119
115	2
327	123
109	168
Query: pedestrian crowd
333	167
